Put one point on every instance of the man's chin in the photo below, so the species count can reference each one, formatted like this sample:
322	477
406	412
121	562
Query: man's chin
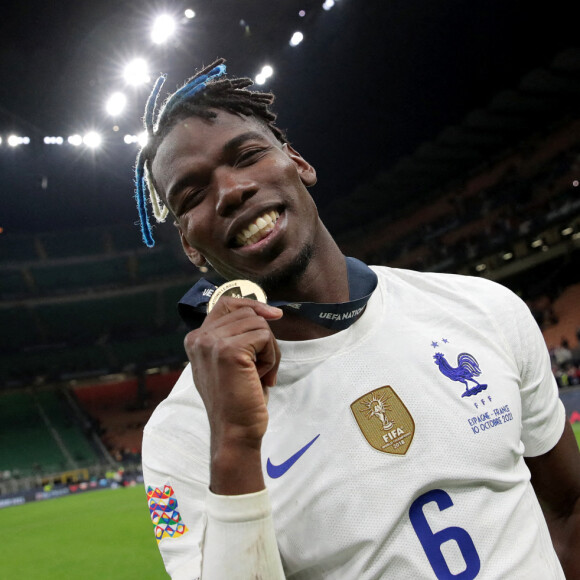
286	276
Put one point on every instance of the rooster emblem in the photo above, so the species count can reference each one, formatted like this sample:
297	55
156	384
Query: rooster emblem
467	368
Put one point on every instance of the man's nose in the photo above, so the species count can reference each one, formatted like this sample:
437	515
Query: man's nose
233	190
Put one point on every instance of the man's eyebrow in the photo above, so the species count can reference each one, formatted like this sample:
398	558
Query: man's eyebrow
238	140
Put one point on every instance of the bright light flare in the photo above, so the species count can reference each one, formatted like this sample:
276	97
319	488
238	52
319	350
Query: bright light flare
189	13
75	140
140	139
92	139
163	29
136	72
116	104
53	140
15	140
328	4
296	39
266	72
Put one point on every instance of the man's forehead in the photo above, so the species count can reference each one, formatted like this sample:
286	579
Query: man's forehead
193	132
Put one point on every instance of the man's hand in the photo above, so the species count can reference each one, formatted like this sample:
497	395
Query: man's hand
235	358
556	481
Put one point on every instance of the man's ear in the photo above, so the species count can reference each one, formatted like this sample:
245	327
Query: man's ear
306	171
195	257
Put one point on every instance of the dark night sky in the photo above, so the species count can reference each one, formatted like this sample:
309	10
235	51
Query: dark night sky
372	81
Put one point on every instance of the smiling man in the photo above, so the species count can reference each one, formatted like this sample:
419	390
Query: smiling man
337	432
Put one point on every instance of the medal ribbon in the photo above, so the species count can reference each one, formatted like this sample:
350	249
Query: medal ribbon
362	282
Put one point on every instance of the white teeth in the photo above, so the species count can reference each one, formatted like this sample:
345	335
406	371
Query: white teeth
258	229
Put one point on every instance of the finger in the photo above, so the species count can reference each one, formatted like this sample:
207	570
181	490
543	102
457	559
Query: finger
263	350
270	377
250	337
232	325
229	318
228	304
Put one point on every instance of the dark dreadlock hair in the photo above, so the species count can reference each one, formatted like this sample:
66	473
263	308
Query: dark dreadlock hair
197	97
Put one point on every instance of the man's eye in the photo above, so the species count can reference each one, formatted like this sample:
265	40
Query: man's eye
249	156
191	199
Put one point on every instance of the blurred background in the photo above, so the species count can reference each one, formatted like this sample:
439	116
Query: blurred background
446	136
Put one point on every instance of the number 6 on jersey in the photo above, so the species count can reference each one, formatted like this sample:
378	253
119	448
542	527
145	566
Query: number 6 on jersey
432	542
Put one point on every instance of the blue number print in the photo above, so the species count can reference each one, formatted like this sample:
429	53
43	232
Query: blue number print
432	542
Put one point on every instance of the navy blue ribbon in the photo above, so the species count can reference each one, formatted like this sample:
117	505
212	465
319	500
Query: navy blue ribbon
362	282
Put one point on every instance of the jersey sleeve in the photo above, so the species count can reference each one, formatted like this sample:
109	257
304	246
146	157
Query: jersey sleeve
201	535
543	414
176	504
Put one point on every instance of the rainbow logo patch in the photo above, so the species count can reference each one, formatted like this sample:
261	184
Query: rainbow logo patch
164	513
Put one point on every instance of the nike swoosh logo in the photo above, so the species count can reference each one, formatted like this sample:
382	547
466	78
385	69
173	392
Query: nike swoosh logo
275	471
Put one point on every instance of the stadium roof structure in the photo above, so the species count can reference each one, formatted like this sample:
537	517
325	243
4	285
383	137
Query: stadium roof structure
414	93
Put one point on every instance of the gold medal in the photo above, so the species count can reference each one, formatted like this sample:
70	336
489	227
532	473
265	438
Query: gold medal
237	289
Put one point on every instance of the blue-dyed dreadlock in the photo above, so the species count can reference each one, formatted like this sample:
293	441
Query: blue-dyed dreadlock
203	92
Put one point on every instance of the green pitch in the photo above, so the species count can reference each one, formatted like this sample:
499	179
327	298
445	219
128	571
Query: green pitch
576	428
96	535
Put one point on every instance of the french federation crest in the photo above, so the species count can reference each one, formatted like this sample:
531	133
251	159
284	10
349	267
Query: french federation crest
467	368
384	421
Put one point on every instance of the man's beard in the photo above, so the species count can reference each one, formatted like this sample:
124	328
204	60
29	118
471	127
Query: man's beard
289	276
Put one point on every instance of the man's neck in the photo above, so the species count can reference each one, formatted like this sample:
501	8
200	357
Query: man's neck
325	280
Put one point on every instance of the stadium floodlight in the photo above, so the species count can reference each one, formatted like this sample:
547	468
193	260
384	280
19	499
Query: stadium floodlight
267	71
328	4
116	104
129	139
53	140
163	29
189	13
15	140
142	138
296	39
136	72
260	79
75	140
92	139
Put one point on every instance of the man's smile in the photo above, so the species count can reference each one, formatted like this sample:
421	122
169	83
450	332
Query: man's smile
257	229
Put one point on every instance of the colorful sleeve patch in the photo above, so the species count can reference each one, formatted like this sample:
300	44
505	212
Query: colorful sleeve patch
164	513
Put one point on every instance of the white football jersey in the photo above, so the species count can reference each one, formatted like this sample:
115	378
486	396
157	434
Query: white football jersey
395	448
